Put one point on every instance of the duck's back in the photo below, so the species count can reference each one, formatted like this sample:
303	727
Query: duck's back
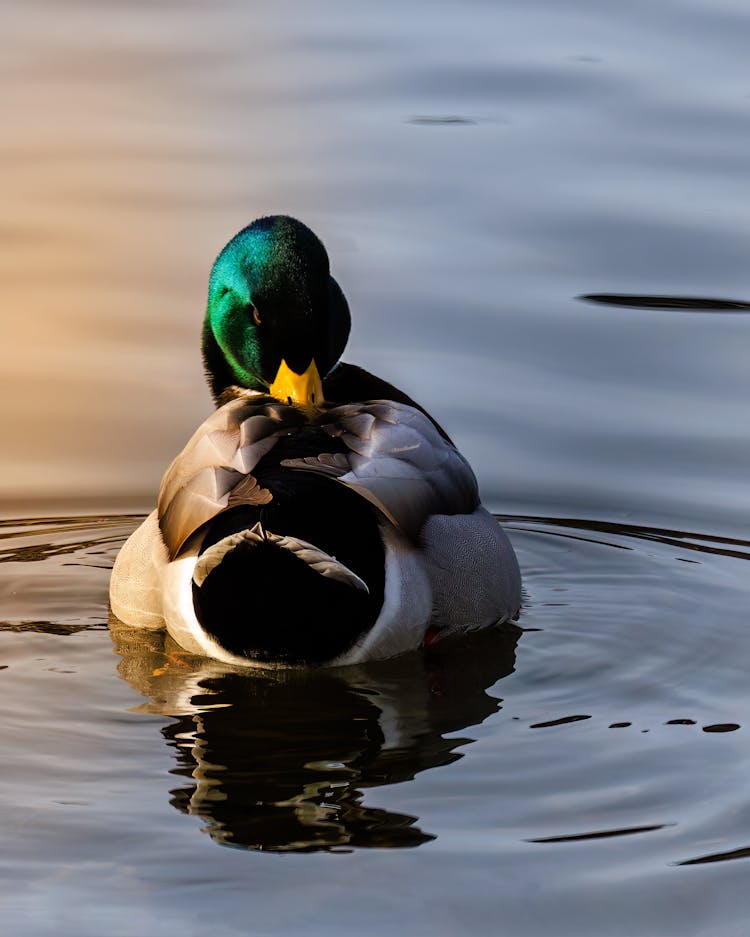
289	538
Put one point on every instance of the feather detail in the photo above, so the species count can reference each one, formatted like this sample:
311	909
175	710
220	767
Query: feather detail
398	461
314	557
214	471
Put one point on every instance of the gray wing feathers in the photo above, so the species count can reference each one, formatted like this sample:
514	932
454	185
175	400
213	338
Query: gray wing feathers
212	472
334	464
398	461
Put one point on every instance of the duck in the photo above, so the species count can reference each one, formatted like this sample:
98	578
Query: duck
319	516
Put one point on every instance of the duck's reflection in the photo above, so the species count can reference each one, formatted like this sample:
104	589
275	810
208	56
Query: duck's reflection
279	760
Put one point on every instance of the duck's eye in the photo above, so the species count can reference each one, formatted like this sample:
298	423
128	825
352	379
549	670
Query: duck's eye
256	316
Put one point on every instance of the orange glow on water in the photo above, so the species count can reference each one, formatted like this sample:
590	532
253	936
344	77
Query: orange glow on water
131	152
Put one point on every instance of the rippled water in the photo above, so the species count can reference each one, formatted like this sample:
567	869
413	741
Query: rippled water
539	214
569	767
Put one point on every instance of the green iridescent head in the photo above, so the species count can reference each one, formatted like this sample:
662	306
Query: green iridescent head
273	307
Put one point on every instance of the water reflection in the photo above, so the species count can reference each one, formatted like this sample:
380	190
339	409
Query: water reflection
280	760
688	303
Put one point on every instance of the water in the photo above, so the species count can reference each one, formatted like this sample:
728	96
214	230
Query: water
474	169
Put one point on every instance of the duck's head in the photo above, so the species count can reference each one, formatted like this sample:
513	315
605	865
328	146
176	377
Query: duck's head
276	320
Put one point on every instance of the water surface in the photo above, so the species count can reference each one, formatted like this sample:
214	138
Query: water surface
539	216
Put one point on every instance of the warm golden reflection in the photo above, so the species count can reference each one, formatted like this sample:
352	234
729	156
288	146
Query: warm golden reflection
130	150
280	760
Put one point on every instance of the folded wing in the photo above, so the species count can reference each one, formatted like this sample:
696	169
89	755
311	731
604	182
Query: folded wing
390	453
214	471
397	459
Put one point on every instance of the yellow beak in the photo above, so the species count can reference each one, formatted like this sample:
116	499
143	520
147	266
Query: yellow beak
304	390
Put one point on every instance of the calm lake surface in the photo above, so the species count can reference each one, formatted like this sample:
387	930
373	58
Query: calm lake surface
474	170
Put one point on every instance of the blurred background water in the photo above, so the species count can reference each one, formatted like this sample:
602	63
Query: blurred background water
474	169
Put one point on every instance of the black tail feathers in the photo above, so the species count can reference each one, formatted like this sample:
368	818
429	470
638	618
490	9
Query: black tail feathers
278	598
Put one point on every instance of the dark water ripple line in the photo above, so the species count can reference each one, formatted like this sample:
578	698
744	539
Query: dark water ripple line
713	728
563	720
687	540
68	522
101	530
685	303
743	853
50	525
52	627
46	551
431	120
601	834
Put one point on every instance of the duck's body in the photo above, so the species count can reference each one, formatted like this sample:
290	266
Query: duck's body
337	526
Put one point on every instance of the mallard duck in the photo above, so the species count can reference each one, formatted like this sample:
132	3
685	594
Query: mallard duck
319	516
